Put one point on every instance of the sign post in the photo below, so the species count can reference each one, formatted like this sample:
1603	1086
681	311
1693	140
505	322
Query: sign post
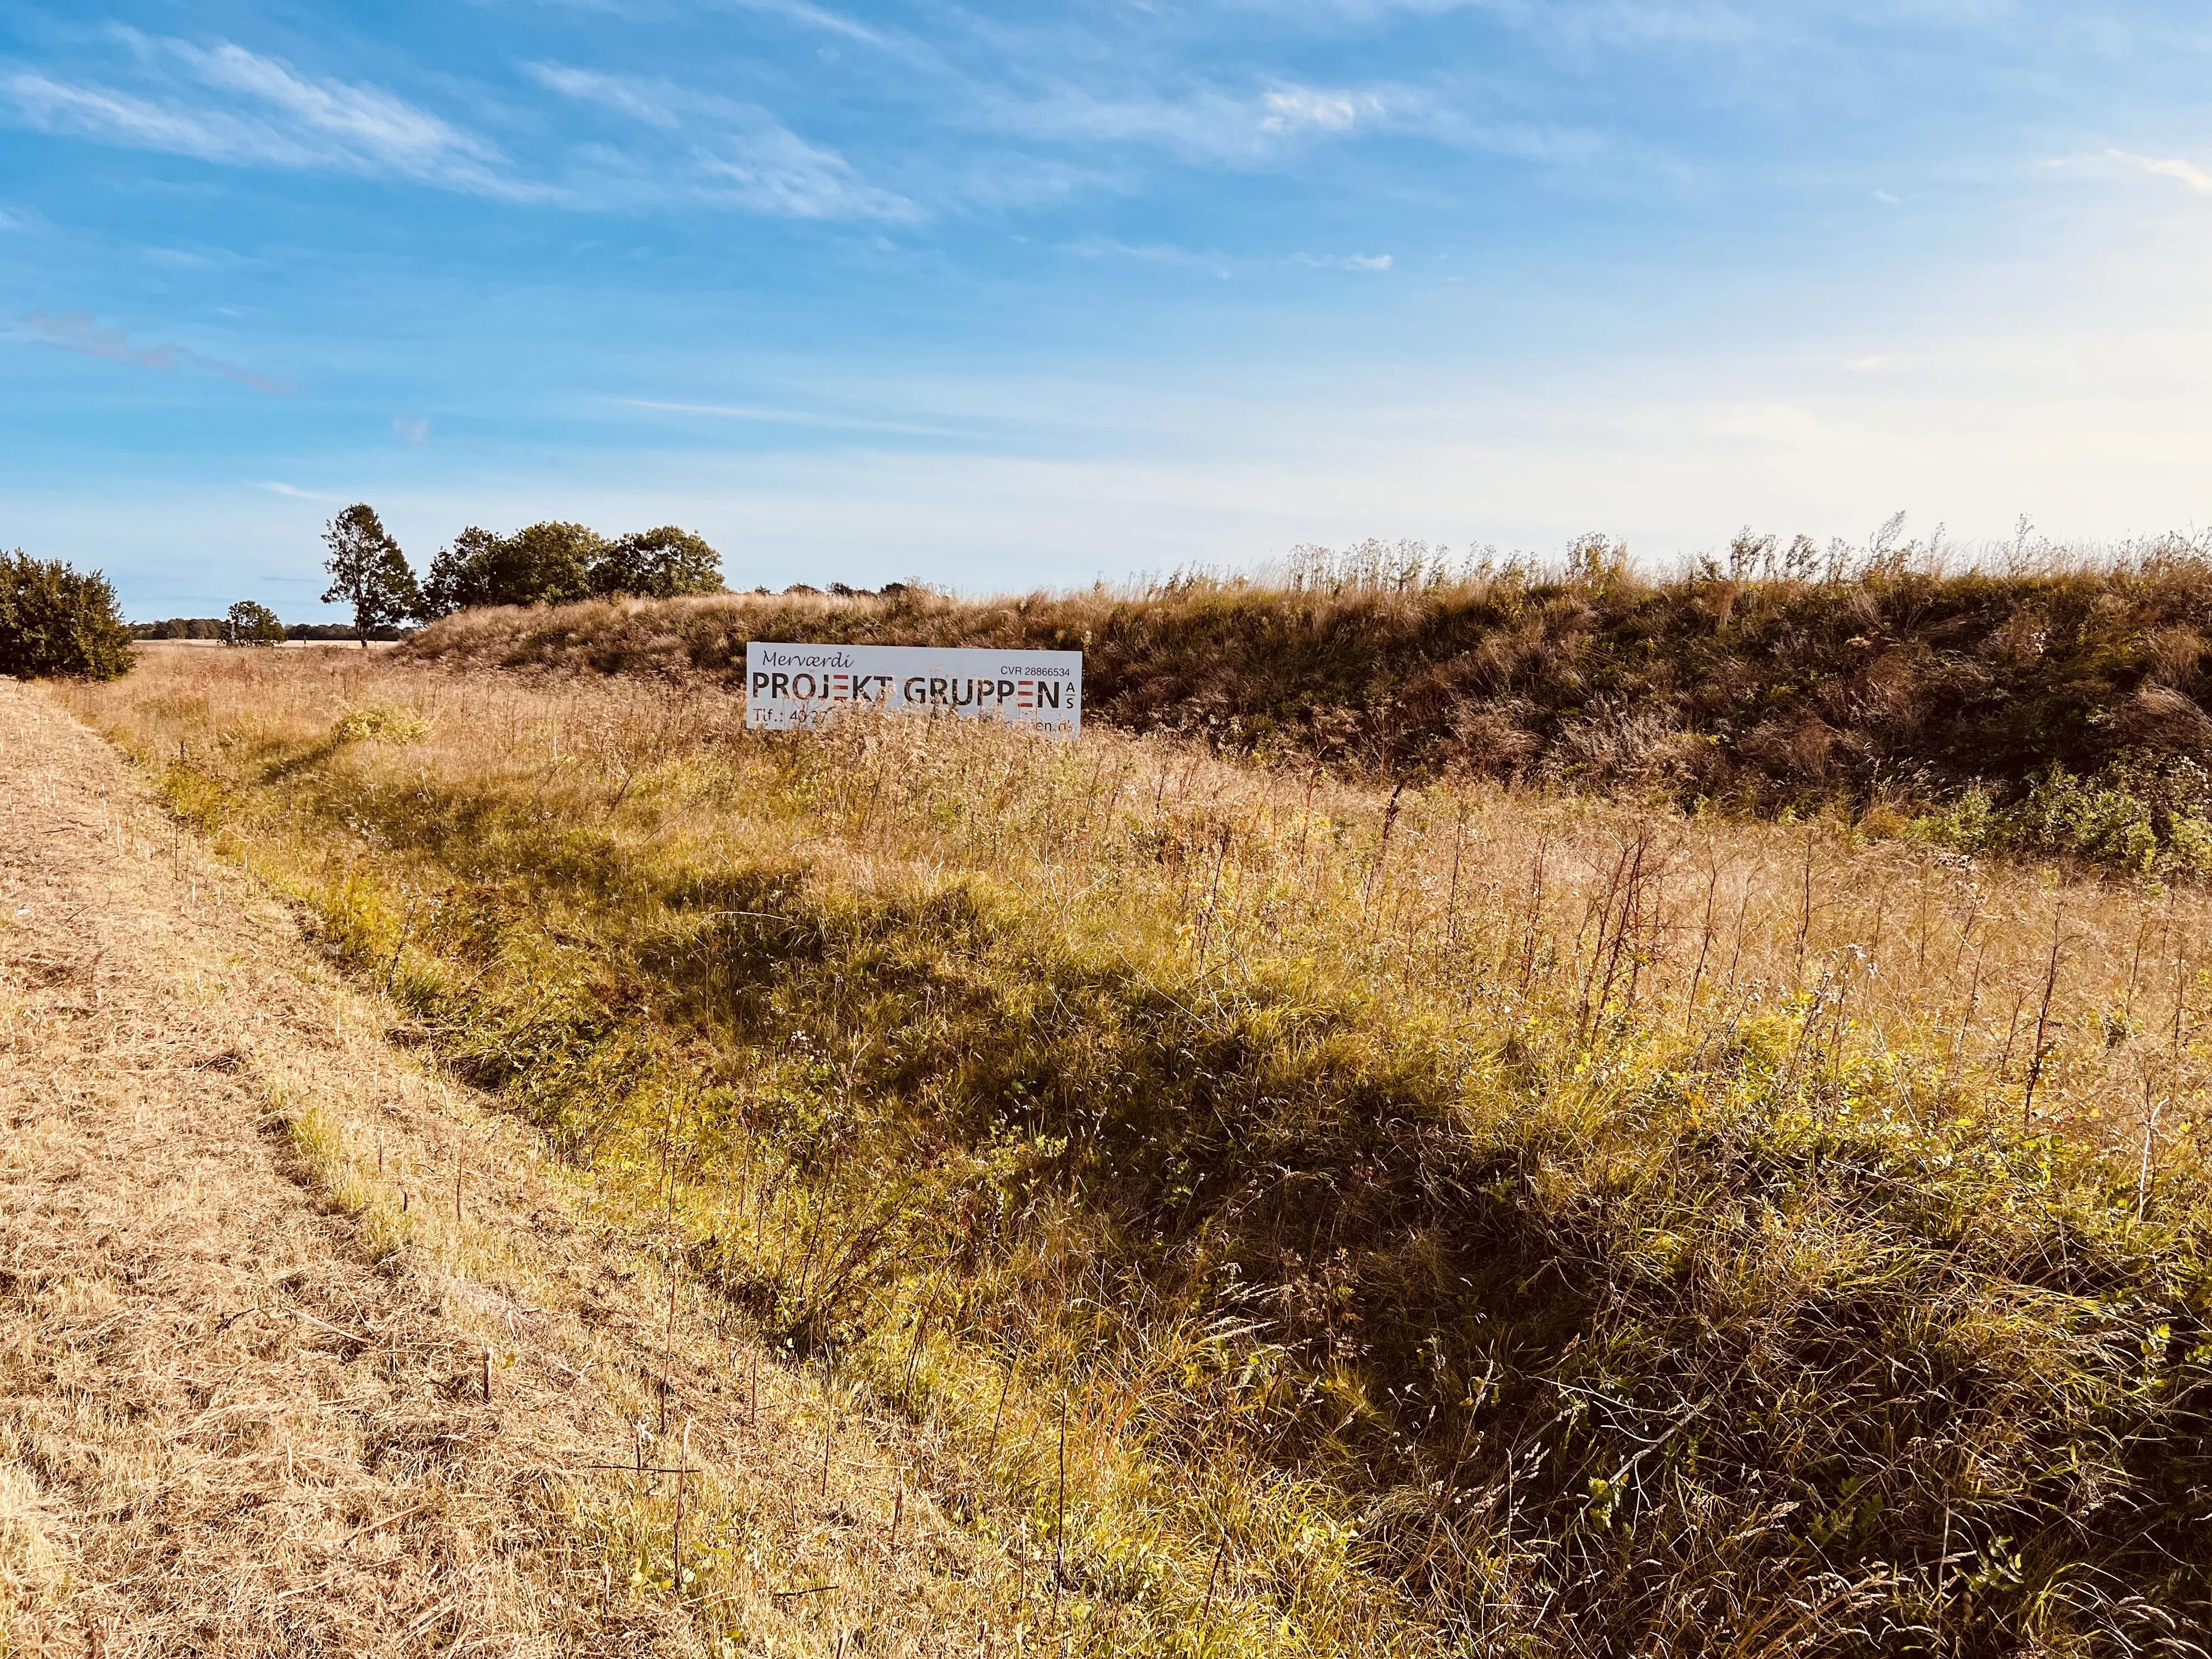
801	688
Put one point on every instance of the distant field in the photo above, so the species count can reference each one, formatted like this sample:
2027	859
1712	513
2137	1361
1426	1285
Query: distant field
276	645
1415	1219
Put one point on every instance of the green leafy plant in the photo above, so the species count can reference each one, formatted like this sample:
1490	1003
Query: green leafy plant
250	623
57	621
666	563
368	572
556	562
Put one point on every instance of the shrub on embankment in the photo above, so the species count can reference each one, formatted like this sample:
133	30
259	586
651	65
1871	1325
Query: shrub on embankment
56	620
2046	713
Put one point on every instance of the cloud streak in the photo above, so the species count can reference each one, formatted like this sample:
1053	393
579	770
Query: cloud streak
1367	262
817	17
1211	126
74	331
227	105
1150	253
730	153
765	415
2187	173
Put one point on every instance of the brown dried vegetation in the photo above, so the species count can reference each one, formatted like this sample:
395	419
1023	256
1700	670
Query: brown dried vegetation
1762	692
302	1351
1422	1219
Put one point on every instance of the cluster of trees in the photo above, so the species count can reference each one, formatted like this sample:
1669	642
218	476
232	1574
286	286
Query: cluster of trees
55	620
549	564
248	623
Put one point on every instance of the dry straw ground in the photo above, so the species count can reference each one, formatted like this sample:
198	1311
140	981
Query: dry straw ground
1320	1219
303	1351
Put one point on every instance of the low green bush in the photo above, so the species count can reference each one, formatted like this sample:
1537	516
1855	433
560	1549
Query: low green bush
2149	815
55	621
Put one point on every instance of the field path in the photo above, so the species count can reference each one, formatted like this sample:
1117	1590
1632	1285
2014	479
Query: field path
247	1342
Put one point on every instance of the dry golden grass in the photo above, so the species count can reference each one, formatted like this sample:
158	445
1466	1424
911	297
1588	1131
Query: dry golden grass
242	1390
1452	1218
2053	708
1479	892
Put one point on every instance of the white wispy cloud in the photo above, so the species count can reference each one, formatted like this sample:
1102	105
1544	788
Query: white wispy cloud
818	17
1150	253
225	104
1210	125
1586	23
74	331
1013	179
734	153
1293	109
766	416
2187	173
1371	262
657	103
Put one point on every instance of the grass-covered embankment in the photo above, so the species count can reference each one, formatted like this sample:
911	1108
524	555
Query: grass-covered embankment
1451	1220
2051	713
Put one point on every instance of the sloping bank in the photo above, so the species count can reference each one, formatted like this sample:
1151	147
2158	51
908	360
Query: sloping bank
2049	715
1320	1298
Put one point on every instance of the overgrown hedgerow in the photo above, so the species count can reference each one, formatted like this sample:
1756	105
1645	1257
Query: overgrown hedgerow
1455	1263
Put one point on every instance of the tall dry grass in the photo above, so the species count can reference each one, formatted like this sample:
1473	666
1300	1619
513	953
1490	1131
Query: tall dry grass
2053	706
1357	1220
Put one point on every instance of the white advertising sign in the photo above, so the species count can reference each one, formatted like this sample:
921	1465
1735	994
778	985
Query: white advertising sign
797	688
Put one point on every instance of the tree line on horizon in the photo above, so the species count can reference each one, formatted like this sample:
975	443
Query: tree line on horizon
57	620
552	563
247	622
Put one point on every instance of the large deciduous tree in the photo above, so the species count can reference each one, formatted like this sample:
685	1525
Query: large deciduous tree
556	562
658	564
547	563
252	623
368	572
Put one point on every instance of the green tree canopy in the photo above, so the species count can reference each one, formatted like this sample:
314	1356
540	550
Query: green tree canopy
368	572
658	564
547	563
556	562
252	623
55	621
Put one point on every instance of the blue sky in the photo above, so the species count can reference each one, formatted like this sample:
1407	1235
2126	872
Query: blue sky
1007	295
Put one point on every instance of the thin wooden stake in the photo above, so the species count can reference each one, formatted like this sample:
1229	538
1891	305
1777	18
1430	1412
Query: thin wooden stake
1206	1613
683	1470
2042	1020
667	1341
2150	1131
1060	1526
1005	1383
